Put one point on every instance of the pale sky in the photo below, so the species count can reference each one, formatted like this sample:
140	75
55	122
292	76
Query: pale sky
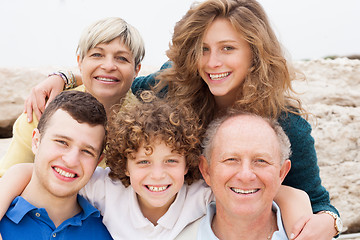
45	32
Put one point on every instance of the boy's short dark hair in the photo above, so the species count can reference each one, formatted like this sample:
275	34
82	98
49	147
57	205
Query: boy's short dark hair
141	124
81	106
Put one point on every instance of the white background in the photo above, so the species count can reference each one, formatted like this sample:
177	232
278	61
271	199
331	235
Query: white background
37	33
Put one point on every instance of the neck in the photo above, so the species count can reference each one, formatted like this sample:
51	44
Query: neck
154	214
250	228
108	105
59	209
224	102
109	102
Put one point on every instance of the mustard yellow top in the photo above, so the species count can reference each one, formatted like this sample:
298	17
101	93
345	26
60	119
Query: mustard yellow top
19	150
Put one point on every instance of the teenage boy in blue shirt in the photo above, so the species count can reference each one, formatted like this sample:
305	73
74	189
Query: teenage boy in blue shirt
67	145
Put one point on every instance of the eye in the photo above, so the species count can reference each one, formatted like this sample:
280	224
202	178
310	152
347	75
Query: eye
143	162
90	153
122	58
172	161
229	160
261	161
61	142
228	48
205	49
95	55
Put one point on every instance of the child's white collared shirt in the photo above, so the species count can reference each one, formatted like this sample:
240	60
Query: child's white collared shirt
123	217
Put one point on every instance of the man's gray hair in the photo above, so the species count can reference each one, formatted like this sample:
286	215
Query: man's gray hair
213	127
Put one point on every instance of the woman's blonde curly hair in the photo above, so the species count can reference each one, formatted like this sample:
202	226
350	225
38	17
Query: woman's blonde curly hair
142	124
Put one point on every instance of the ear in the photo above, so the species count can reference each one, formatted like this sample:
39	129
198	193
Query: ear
79	61
285	168
186	170
35	141
205	169
137	70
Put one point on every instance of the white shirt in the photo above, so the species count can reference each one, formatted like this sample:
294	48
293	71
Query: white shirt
205	232
122	215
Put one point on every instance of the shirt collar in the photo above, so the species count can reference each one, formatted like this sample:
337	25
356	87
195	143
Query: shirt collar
205	231
20	207
171	216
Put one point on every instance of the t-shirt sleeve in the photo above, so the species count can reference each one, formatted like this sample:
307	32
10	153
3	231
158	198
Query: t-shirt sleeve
94	190
19	150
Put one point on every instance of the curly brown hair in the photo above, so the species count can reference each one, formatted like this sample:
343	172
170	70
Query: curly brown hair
266	90
141	124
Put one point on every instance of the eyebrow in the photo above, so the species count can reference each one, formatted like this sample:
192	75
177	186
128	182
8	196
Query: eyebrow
117	52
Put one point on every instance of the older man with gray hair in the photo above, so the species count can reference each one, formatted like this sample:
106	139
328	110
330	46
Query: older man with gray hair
245	159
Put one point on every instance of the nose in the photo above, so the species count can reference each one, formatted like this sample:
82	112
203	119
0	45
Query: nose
246	172
71	158
158	172
214	59
108	64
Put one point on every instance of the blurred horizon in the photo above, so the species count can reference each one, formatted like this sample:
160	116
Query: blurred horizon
45	33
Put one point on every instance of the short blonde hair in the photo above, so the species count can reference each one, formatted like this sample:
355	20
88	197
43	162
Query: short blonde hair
106	30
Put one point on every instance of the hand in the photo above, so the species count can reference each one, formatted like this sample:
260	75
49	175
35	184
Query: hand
42	94
316	226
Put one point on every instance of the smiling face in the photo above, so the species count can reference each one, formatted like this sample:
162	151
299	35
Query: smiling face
245	170
225	61
156	178
108	71
66	155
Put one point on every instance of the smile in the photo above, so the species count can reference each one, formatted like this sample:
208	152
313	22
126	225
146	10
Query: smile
64	173
106	79
219	76
240	191
157	189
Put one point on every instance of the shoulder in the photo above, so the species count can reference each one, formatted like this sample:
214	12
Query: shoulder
198	190
291	121
190	231
80	88
21	124
295	126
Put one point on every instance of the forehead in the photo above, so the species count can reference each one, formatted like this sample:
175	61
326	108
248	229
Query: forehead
62	123
248	133
223	26
117	44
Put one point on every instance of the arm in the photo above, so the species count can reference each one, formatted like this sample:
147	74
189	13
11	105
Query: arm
13	183
44	93
147	82
19	150
304	175
294	205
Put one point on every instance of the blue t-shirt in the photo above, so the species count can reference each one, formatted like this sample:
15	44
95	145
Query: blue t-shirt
25	221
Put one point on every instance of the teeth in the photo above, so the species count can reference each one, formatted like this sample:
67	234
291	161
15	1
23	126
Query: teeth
63	173
157	189
218	76
237	190
106	79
